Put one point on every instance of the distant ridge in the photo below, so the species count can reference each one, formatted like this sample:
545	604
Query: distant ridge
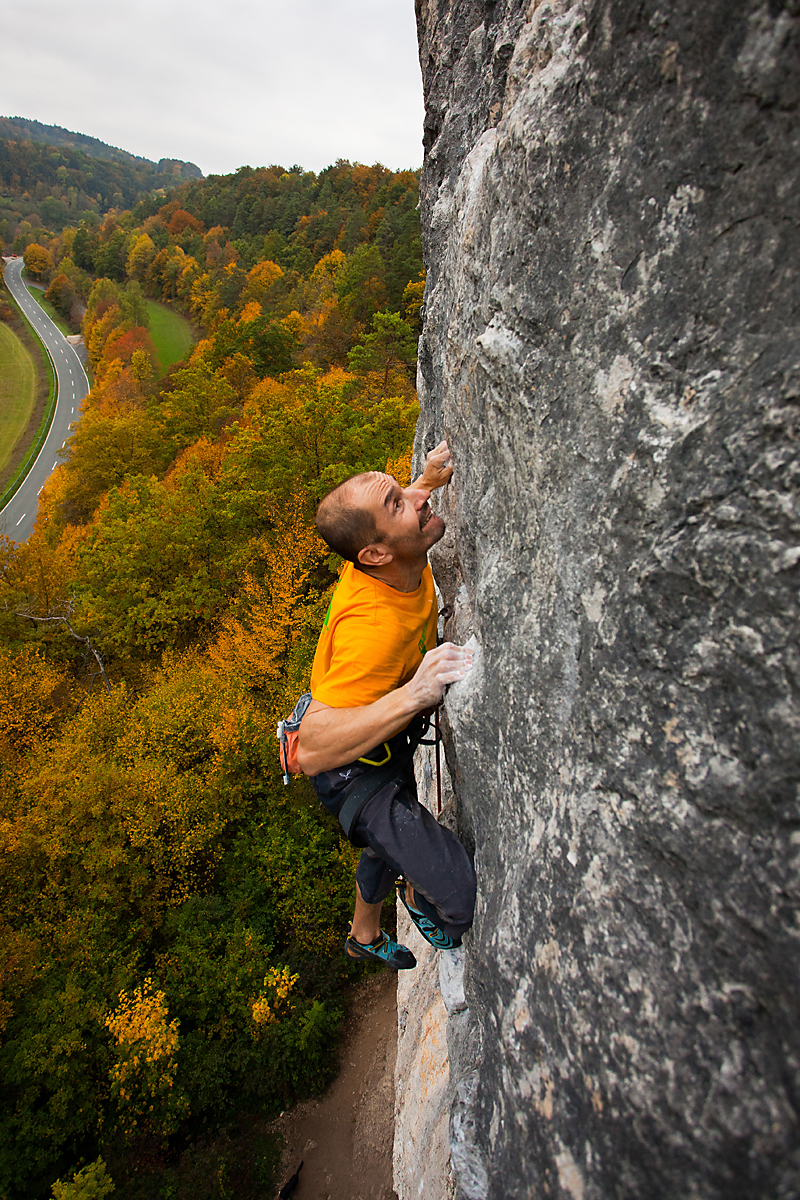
55	135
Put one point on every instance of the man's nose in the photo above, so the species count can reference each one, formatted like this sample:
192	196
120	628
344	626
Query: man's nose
419	496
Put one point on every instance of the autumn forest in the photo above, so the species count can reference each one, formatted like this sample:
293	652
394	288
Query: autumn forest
171	971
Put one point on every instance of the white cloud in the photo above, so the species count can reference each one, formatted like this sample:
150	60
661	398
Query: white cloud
297	81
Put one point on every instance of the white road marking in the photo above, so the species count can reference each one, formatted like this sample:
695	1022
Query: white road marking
55	464
40	489
22	518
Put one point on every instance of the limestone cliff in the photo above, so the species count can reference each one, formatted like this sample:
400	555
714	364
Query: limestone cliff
611	345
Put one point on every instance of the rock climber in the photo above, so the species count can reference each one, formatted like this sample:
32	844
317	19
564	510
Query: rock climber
377	668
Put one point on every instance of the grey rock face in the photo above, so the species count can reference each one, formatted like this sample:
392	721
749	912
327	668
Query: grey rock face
451	980
611	201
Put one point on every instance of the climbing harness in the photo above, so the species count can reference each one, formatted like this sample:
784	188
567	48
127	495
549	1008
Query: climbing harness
391	766
359	793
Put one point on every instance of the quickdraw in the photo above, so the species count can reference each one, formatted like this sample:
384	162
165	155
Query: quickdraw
288	734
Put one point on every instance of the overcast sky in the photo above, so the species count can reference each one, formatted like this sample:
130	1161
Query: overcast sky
222	85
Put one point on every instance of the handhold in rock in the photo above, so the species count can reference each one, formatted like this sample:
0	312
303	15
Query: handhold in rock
451	980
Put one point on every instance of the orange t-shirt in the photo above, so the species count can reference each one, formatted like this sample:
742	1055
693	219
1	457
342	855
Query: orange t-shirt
373	639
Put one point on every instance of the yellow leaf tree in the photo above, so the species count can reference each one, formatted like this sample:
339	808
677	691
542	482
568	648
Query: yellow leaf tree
143	1074
38	261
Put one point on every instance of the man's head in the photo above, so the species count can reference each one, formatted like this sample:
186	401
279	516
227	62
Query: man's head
373	522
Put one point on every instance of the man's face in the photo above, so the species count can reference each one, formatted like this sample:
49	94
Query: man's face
403	517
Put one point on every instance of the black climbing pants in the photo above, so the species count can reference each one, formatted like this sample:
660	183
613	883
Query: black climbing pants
400	837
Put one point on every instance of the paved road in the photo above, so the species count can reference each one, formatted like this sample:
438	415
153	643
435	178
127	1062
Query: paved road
18	516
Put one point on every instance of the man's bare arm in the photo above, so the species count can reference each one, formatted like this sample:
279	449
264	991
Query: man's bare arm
331	737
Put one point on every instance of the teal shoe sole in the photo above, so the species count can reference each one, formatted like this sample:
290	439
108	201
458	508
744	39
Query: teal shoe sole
383	950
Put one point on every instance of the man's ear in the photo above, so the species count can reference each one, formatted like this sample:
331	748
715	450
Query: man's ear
376	554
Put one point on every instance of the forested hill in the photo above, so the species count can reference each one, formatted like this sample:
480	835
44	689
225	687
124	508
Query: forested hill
171	968
55	135
49	181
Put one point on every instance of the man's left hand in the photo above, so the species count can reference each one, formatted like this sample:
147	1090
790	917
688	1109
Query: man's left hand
438	468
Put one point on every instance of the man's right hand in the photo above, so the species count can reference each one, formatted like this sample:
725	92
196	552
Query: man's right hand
446	664
331	737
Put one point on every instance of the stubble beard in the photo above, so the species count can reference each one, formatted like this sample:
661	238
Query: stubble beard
439	532
412	547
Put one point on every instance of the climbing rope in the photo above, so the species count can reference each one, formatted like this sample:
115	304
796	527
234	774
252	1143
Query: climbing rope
438	739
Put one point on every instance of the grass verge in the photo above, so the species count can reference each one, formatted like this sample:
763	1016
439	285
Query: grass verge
17	392
172	334
53	313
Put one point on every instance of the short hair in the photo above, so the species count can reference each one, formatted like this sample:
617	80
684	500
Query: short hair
345	527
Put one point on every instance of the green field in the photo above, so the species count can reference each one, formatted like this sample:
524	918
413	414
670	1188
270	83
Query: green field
172	335
17	391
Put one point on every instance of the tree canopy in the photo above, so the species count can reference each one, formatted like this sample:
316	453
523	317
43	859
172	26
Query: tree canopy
172	917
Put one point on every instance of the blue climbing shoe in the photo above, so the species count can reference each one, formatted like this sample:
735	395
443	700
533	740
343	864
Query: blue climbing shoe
383	950
432	933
